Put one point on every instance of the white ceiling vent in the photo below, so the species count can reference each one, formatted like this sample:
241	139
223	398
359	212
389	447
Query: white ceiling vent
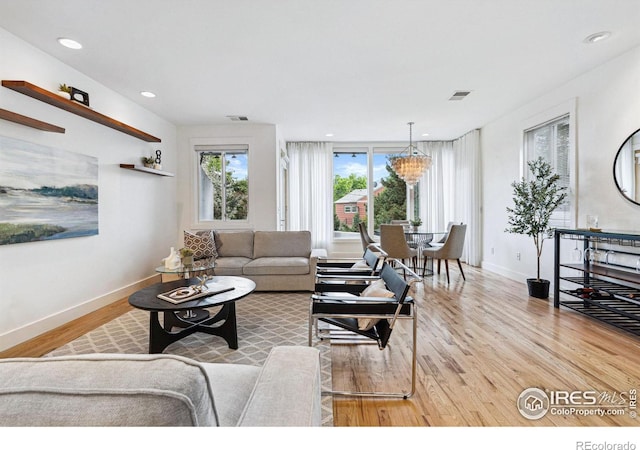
459	95
236	118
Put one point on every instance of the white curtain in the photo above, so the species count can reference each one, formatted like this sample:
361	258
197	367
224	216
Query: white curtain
310	190
450	191
436	185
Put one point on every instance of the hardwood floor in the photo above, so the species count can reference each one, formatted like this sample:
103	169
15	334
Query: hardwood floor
57	337
480	344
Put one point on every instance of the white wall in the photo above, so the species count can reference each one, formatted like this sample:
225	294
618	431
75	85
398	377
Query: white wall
46	284
263	158
608	111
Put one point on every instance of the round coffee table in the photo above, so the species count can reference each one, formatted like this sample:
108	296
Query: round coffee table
161	336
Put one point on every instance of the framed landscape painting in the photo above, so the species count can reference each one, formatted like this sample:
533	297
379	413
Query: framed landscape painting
46	193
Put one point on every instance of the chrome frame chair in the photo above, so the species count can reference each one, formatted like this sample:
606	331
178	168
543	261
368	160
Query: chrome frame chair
341	306
341	269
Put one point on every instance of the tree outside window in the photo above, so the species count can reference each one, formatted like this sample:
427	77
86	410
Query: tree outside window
224	185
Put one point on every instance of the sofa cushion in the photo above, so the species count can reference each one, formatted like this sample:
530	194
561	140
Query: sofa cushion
277	266
282	243
231	265
105	390
235	243
202	243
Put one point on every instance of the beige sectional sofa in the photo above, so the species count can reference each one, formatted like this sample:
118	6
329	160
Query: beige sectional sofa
274	260
161	390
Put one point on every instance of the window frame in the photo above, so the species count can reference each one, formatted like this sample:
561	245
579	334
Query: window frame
371	149
199	145
567	108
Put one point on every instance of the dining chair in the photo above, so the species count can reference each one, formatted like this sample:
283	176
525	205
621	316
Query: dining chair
366	240
451	249
394	244
443	239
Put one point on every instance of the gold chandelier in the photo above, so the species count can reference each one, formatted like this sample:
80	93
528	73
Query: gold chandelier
413	164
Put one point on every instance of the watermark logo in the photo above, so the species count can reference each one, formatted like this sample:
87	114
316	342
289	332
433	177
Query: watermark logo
533	403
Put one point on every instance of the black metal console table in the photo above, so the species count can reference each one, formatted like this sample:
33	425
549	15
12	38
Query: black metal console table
602	277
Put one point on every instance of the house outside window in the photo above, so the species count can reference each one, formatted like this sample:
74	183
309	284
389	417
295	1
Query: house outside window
362	172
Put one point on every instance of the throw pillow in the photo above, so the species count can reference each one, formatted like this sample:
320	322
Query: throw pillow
202	243
375	289
362	264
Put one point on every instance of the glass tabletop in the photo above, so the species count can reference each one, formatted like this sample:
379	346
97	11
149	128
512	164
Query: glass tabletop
196	267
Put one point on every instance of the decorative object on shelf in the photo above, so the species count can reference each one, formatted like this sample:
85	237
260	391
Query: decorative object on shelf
592	222
148	161
157	163
53	99
172	261
64	91
47	194
534	201
187	256
79	96
413	164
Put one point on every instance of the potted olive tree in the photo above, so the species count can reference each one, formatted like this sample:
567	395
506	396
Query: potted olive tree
534	202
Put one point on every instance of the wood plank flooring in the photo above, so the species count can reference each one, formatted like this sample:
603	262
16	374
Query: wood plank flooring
480	344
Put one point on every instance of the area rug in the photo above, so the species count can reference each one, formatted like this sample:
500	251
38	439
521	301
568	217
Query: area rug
265	320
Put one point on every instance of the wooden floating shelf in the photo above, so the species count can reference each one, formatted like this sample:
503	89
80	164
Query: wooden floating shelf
29	121
54	99
146	169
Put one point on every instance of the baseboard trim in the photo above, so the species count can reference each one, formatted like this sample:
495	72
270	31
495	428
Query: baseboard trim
504	271
39	327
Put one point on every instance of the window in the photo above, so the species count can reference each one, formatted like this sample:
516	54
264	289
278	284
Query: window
551	141
350	188
390	191
361	173
223	183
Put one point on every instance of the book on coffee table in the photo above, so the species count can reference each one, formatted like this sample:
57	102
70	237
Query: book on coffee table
188	293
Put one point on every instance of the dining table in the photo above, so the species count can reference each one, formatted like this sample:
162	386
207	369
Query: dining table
421	239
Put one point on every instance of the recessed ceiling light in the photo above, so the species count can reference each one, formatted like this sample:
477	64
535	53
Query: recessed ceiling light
425	134
70	43
329	135
597	37
147	94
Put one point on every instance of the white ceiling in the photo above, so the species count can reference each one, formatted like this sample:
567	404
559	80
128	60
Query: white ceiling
360	69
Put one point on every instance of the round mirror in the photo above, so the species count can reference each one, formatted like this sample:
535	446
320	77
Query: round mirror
626	168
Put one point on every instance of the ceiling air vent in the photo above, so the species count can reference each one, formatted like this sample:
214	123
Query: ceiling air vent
236	118
459	95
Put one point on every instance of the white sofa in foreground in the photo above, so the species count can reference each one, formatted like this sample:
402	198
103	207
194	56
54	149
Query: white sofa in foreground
161	390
